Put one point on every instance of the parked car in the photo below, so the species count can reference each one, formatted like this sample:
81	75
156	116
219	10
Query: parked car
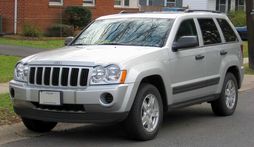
243	32
132	68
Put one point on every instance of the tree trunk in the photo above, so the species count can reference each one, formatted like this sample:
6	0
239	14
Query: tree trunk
250	28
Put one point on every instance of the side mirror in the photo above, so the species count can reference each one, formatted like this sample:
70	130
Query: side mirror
185	42
68	40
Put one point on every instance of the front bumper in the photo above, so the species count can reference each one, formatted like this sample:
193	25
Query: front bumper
26	98
27	110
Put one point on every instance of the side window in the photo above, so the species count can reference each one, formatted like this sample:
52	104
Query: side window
209	31
228	32
187	28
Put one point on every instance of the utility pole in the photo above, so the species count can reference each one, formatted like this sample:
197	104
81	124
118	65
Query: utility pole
250	28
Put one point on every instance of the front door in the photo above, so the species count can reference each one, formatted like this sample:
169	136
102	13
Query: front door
187	67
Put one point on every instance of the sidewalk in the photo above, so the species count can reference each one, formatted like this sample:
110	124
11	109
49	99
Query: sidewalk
18	50
245	60
248	83
4	88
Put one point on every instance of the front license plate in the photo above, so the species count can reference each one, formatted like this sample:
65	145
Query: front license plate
50	98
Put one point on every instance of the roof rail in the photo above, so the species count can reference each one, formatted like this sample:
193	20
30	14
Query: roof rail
123	11
190	11
130	12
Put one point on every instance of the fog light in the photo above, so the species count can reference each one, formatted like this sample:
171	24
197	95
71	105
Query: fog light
106	99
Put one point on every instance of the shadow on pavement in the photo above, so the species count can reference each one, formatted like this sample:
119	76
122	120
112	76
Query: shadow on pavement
103	134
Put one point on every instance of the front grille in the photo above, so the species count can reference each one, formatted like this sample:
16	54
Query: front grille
58	76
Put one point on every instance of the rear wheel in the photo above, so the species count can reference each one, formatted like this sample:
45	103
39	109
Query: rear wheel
227	102
38	125
146	115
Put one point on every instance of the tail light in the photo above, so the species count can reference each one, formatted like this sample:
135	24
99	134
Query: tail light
242	49
242	53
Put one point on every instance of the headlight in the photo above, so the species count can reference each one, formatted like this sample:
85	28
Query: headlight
21	72
110	74
99	73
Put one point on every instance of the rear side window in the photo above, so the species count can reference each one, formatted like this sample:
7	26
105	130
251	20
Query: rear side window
209	31
228	32
187	28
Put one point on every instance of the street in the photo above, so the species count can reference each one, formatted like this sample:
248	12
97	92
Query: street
192	126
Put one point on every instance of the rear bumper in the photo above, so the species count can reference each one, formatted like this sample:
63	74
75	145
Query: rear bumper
28	110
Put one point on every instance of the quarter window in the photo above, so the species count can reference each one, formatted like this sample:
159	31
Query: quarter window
228	32
209	31
187	28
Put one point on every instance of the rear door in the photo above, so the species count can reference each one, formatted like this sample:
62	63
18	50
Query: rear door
212	43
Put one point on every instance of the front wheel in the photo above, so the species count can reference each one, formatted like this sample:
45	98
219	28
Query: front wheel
38	125
226	104
146	115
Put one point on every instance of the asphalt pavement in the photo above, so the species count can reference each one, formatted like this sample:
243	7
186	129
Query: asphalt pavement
18	50
192	126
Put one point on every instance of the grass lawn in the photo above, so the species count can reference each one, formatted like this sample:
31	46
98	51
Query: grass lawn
248	71
245	49
7	115
45	44
7	65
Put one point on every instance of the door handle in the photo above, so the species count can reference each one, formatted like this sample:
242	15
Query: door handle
223	52
199	57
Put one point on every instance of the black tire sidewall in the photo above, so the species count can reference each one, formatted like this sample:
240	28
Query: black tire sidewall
38	125
219	105
134	118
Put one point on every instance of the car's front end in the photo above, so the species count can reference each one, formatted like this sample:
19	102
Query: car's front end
69	92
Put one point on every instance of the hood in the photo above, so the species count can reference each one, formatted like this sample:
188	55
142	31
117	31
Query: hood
90	55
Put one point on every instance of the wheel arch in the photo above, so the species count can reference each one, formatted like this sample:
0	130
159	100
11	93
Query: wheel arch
157	81
236	72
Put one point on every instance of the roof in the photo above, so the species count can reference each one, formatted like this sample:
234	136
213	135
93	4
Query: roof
161	14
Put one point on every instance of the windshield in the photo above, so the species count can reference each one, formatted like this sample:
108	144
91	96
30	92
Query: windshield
135	32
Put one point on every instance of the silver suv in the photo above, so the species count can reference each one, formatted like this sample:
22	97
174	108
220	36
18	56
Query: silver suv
132	68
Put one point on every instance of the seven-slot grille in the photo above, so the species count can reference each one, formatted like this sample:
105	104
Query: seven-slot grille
58	76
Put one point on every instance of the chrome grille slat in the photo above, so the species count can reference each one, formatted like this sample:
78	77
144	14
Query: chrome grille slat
69	77
35	76
58	76
42	81
79	74
50	78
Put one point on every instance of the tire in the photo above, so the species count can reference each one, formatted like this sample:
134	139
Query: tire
227	102
142	108
38	126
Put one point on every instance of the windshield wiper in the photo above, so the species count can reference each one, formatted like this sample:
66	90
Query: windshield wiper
79	44
112	43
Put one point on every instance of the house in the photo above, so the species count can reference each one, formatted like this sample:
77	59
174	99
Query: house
157	5
44	13
219	5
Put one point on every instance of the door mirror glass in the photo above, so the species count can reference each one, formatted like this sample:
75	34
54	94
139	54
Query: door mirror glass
185	42
68	40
